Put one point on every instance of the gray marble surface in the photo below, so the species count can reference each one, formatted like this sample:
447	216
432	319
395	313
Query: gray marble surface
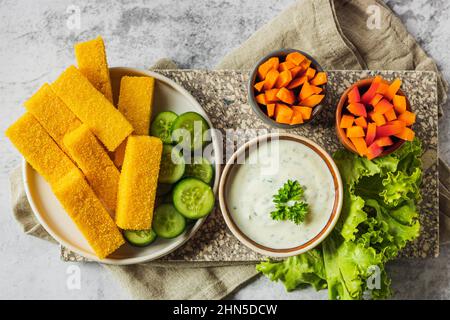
36	44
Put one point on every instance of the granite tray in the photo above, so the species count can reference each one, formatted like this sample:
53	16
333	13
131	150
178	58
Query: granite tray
223	95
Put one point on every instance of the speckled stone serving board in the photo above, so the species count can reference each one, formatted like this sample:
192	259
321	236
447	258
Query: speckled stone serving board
223	95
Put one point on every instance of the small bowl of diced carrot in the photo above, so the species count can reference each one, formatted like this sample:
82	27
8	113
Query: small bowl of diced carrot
374	117
286	89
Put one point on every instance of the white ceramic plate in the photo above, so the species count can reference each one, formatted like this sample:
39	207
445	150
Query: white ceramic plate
49	212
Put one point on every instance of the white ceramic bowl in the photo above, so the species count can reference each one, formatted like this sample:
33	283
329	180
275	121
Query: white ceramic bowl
227	177
49	212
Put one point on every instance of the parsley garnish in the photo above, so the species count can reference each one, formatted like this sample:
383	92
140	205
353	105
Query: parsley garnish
289	203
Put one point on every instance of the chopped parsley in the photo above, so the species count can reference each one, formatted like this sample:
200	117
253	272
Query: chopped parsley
289	203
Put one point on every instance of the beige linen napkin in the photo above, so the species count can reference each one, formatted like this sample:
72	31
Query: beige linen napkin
337	34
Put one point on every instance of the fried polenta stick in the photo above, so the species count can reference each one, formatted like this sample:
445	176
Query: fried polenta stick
92	108
138	182
94	161
52	113
39	149
91	60
135	103
88	213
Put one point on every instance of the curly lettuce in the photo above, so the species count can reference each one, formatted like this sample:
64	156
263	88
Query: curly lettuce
378	219
294	272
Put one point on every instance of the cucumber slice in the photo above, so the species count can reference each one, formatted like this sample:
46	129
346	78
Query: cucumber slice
168	222
139	238
189	130
162	126
172	165
193	198
200	168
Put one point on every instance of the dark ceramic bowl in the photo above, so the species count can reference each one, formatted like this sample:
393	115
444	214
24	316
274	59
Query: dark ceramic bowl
251	90
362	85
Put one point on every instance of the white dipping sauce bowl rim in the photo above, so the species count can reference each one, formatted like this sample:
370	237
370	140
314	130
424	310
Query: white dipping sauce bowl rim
324	232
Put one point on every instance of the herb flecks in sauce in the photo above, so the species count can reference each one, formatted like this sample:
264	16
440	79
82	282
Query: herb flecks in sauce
254	183
289	203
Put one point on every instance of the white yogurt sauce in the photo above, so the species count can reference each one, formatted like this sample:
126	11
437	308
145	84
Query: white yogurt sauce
264	172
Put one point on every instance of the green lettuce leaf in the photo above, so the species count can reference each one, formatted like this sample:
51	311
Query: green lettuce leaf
304	269
354	215
401	186
348	266
401	222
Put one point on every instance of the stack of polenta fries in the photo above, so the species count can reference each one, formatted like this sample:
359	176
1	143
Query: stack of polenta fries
98	159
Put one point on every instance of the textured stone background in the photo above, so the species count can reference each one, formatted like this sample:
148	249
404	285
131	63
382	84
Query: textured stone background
36	44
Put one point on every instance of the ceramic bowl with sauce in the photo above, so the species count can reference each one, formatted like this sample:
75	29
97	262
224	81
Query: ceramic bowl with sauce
253	175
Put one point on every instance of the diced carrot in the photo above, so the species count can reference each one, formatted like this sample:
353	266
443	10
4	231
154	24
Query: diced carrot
373	151
306	111
383	106
286	95
389	129
283	113
271	95
393	88
308	90
283	79
297	116
406	134
295	57
371	133
275	62
310	73
361	121
408	117
382	88
258	86
355	132
358	109
270	109
360	145
354	96
312	101
399	104
316	89
377	98
296	71
378	118
346	121
397	123
265	67
279	107
384	141
390	115
271	79
371	92
305	64
319	79
261	98
287	65
297	82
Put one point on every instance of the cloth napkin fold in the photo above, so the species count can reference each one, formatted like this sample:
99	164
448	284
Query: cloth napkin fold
338	35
